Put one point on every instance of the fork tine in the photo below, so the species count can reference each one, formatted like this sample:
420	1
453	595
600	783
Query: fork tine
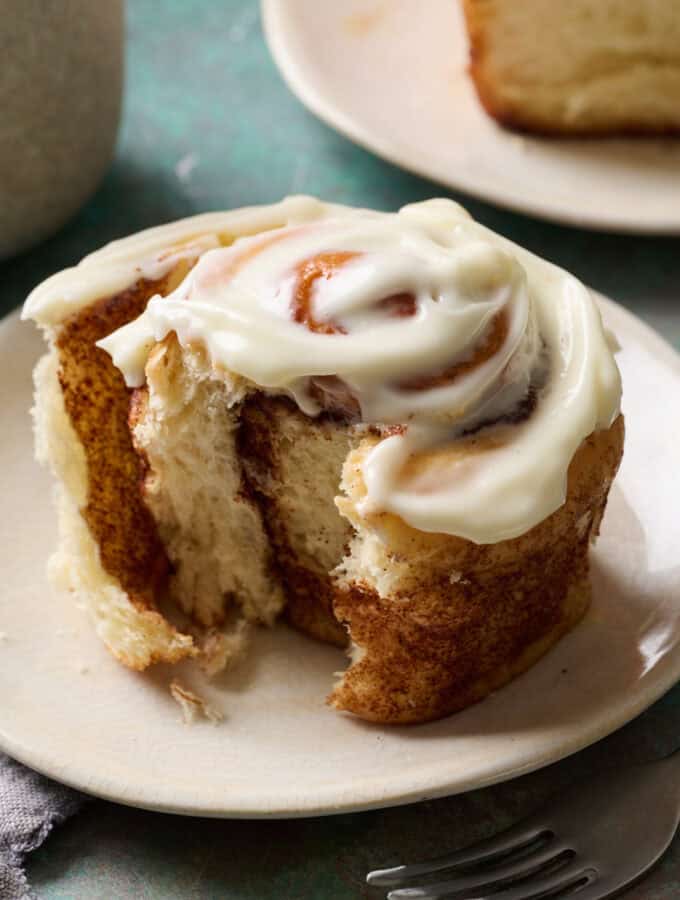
599	888
572	878
515	838
493	877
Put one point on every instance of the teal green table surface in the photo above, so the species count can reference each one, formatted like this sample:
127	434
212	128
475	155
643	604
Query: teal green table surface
208	124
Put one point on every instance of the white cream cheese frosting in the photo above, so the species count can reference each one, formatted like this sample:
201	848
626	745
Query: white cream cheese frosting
484	363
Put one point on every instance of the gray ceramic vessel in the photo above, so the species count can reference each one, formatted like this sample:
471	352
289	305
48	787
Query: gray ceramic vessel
61	74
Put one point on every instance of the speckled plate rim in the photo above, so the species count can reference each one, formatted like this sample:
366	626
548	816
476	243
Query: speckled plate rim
281	34
361	793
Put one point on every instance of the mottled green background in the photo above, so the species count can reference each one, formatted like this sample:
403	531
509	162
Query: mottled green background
203	95
208	124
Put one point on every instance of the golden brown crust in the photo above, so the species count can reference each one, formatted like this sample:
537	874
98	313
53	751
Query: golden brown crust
96	400
474	615
523	122
170	653
396	702
309	592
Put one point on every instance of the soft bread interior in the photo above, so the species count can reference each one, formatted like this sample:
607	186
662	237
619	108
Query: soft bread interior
185	425
242	487
581	66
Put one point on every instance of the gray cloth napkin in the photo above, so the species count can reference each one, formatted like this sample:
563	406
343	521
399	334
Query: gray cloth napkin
30	806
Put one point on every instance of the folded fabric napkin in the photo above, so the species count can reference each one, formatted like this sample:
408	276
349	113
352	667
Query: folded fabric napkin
30	806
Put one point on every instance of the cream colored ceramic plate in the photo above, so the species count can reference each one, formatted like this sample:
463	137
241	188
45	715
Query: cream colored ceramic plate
391	75
67	709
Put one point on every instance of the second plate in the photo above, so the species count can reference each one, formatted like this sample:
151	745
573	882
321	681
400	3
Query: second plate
392	76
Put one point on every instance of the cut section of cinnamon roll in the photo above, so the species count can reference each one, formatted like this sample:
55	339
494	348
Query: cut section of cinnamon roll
396	430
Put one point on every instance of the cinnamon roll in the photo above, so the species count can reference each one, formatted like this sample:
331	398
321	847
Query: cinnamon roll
396	430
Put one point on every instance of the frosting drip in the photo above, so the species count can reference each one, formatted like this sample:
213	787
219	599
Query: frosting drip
493	363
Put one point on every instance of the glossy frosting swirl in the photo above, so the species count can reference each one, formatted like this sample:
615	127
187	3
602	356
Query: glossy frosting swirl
481	366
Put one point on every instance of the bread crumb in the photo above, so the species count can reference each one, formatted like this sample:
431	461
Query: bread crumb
83	669
192	705
3	637
457	578
221	649
583	523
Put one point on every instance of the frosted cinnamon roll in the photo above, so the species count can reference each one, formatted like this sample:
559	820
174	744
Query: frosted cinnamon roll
398	430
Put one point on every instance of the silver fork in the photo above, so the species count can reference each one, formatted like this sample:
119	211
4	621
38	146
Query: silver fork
596	840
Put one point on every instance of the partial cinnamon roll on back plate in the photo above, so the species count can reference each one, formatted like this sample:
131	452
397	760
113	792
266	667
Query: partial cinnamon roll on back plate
584	68
396	430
